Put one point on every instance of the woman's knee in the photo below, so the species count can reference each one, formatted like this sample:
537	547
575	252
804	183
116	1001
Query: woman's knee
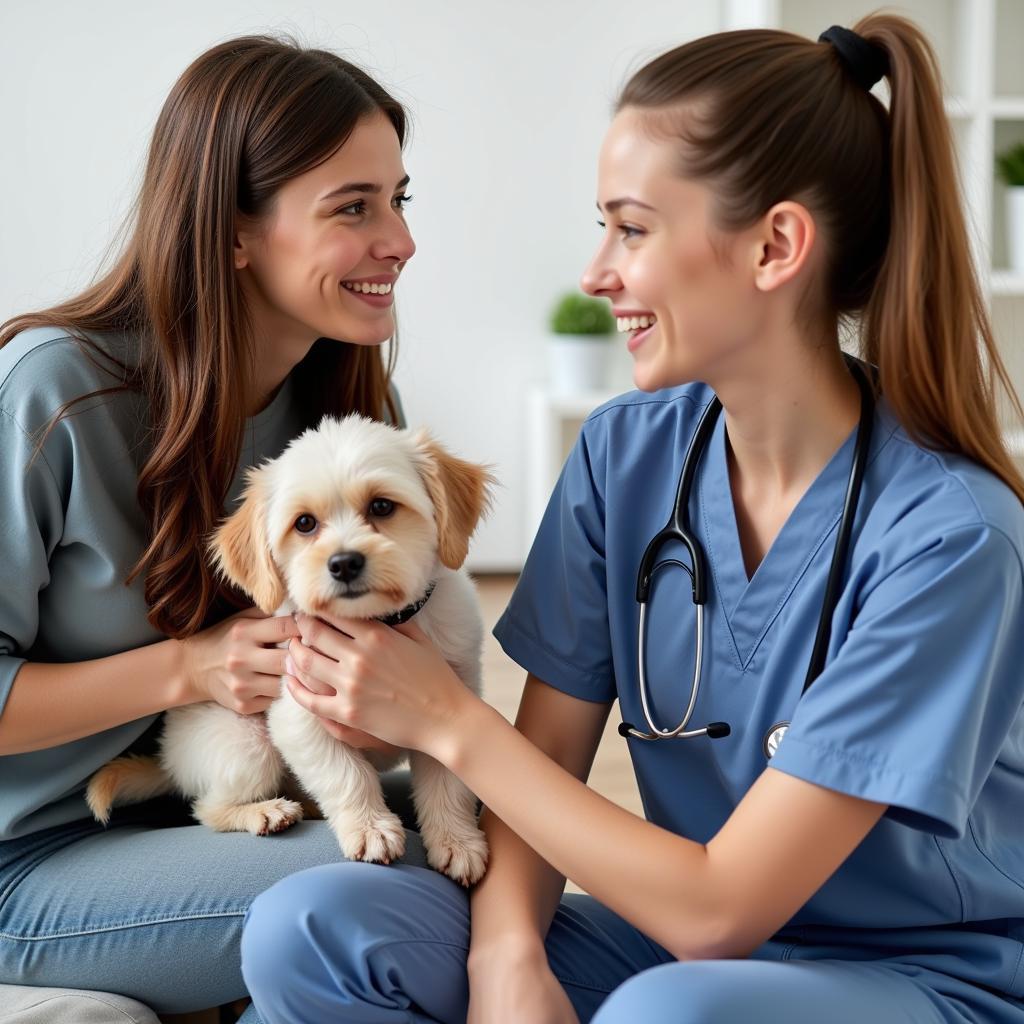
704	991
298	915
309	936
795	991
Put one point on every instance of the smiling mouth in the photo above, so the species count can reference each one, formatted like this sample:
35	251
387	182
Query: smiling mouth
633	323
363	288
379	299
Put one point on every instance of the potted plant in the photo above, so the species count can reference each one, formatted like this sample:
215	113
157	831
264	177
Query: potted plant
580	328
1011	169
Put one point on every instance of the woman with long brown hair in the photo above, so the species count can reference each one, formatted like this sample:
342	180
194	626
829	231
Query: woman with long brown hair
825	721
252	297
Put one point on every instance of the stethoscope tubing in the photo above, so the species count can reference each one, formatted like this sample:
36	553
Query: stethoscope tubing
678	529
667	734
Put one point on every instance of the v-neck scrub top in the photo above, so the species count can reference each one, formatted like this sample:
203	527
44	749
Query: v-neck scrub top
919	703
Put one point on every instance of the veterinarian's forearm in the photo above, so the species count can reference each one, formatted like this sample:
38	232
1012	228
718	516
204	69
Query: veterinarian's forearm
660	882
513	904
51	704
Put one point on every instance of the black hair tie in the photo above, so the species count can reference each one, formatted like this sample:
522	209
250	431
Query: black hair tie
865	61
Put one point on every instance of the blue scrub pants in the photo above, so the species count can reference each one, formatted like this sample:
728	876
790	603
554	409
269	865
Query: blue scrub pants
379	944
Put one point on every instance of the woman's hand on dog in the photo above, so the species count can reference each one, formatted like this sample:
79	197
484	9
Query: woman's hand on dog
390	682
236	662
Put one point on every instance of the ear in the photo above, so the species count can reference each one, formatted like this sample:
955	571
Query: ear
247	233
240	251
784	242
461	493
240	548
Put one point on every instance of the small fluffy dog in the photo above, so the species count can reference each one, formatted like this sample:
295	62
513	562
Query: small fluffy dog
365	521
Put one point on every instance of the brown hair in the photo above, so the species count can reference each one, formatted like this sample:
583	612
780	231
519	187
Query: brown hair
772	116
245	117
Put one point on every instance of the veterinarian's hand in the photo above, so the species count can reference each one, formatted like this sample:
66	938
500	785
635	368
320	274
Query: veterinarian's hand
390	682
235	662
357	738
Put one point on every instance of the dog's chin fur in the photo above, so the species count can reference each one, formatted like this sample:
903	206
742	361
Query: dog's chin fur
248	773
366	606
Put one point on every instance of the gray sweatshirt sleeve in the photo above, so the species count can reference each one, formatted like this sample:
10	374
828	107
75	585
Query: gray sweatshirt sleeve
33	518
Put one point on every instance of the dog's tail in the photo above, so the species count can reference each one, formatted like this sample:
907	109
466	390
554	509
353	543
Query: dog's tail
126	780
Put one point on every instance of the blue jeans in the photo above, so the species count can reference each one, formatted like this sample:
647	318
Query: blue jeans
367	944
152	906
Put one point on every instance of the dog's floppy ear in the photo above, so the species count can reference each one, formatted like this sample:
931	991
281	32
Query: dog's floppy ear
461	493
240	548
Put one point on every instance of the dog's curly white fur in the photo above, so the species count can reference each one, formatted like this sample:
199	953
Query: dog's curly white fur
251	772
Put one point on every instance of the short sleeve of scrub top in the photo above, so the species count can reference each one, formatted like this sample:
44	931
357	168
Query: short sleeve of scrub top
918	701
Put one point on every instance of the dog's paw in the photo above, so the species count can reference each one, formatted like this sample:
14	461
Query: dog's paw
380	840
261	818
462	858
270	816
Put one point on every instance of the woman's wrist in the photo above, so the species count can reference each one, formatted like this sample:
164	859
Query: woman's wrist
180	678
470	722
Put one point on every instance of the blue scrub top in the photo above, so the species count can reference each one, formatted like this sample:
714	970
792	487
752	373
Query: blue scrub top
919	704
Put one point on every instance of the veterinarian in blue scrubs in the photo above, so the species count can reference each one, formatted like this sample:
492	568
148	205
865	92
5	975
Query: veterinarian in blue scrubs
850	851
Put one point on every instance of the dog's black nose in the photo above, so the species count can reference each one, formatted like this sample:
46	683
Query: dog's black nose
346	565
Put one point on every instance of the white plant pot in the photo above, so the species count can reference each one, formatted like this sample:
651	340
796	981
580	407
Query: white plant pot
578	363
1015	227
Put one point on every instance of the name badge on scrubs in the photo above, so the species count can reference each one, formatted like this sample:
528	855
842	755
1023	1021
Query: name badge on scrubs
773	737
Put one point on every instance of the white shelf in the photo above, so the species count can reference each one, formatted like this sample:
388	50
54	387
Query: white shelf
1007	282
1007	108
552	423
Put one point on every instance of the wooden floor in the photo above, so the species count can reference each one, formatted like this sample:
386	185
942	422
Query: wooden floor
612	774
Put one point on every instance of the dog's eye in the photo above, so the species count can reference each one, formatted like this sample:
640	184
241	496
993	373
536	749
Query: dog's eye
305	523
381	508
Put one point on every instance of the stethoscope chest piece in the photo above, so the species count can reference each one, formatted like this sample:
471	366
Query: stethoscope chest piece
772	739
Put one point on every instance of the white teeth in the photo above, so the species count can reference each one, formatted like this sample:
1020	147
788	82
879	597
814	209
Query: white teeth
367	289
631	323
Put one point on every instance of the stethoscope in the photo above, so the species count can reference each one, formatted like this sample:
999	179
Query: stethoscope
678	529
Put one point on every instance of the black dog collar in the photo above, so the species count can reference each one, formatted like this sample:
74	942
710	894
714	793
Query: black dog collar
406	613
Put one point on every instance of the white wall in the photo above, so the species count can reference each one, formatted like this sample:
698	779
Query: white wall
509	103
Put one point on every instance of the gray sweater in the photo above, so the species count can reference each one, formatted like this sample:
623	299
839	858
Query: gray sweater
70	529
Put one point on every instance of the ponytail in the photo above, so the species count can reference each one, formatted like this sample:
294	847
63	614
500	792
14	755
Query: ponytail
925	324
